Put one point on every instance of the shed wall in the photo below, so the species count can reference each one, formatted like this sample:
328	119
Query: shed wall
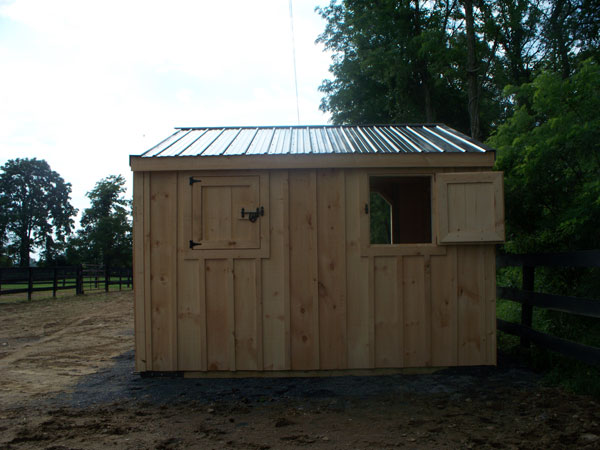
318	297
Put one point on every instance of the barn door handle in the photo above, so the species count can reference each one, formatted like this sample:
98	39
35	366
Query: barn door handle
253	215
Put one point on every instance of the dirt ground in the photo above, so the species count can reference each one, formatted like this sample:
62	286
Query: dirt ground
67	382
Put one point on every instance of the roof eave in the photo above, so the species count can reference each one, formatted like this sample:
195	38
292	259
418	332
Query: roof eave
312	161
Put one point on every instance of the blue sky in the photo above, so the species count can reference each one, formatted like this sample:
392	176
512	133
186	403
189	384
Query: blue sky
84	84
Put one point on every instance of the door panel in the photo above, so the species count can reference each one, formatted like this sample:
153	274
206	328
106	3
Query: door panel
217	204
470	207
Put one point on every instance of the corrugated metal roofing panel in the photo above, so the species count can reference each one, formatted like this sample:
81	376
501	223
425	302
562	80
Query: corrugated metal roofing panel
395	140
154	151
179	146
242	142
280	143
221	143
207	137
302	140
327	139
411	145
336	141
443	142
261	142
455	135
424	144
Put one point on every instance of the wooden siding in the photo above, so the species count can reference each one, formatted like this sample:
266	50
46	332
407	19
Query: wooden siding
314	295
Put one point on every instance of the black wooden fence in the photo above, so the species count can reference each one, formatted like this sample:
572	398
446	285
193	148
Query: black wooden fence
81	278
529	299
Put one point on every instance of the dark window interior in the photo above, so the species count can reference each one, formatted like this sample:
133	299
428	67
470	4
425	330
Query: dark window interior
400	210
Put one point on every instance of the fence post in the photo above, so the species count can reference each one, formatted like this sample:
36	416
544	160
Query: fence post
527	310
79	280
54	282
30	283
106	277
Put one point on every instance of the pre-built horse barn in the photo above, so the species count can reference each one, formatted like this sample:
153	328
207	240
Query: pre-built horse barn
292	250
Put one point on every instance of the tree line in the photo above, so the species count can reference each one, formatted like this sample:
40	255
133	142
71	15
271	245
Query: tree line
521	75
37	215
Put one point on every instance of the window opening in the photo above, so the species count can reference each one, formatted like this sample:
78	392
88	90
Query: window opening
400	209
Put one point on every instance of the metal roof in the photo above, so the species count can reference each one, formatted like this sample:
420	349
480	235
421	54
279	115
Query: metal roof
321	139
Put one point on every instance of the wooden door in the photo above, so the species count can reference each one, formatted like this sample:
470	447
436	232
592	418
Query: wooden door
217	220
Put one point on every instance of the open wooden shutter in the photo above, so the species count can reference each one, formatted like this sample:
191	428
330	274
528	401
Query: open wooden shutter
470	207
217	222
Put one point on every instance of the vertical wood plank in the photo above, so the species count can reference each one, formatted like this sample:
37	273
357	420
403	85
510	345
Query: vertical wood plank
427	309
416	339
371	313
174	268
139	270
218	314
216	213
230	300
246	197
258	336
471	306
163	263
357	280
191	330
490	302
191	317
245	310
148	275
304	308
444	309
203	344
276	277
388	312
456	207
331	269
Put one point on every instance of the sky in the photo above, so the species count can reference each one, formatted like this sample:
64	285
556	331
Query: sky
86	83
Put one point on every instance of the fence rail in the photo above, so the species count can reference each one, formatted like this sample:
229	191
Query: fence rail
82	278
529	298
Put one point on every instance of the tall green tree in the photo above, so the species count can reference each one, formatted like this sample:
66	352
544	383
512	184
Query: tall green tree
105	234
407	61
448	60
570	34
36	208
550	152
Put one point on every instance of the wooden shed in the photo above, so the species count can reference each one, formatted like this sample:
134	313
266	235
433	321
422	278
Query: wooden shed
281	250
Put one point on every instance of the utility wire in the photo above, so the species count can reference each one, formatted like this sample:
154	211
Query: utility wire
294	58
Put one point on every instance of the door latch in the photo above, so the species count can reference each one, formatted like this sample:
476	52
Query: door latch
253	215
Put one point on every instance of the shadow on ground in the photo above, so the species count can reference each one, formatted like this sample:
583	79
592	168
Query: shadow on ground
120	383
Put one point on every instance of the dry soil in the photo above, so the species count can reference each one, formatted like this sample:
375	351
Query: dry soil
67	381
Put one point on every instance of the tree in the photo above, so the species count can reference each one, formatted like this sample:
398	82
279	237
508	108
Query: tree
549	151
571	33
36	209
407	61
105	234
472	75
448	61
